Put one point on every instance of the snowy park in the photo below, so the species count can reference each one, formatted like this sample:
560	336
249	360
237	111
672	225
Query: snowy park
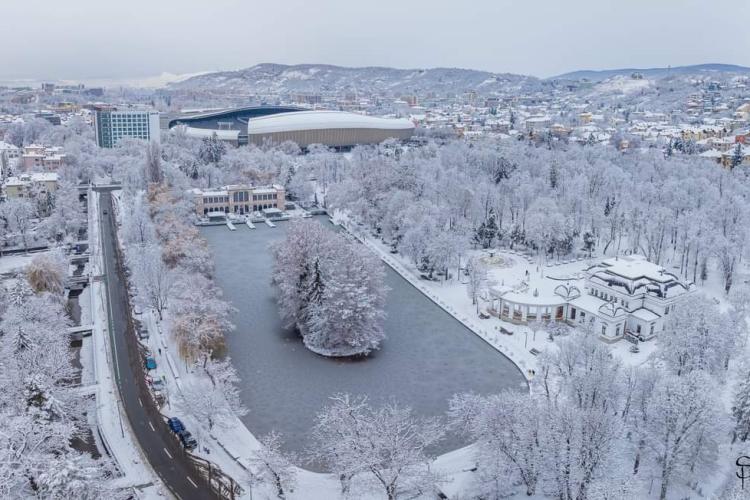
425	358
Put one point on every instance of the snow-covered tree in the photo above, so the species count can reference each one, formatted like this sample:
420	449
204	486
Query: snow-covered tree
18	214
66	217
741	407
477	279
212	149
383	447
736	159
46	272
331	289
683	425
137	227
153	167
40	407
269	465
215	399
154	278
698	336
201	318
509	430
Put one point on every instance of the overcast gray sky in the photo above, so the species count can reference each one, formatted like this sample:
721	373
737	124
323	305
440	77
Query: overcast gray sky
46	39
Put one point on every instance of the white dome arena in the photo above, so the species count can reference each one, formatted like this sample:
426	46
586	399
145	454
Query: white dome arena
330	128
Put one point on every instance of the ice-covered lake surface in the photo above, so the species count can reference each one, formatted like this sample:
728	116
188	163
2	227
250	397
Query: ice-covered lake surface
426	358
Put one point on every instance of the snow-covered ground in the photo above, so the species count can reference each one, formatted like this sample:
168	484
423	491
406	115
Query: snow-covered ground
10	264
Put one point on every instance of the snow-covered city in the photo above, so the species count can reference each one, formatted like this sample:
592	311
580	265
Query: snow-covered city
365	270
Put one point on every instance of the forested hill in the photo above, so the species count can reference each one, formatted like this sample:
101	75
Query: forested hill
698	69
320	78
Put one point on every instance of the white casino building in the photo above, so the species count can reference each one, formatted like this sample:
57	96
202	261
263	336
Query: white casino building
617	295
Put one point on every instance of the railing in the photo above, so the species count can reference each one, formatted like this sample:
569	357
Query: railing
222	484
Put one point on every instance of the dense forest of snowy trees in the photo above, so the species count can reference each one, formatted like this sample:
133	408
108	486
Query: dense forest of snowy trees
593	428
331	289
41	408
434	202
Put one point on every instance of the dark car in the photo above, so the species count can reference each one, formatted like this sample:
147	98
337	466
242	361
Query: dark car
187	440
142	333
175	424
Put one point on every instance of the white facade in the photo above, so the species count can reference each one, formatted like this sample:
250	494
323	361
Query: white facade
617	295
627	294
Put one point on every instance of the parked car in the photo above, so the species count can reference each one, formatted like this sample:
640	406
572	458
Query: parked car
149	363
157	385
187	440
142	333
175	424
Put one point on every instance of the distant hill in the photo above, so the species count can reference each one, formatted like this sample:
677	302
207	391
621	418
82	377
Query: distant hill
599	75
366	81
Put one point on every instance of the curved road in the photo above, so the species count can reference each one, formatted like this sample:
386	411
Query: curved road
163	451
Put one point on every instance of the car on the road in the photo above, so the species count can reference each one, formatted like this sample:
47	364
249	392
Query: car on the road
149	363
187	440
175	424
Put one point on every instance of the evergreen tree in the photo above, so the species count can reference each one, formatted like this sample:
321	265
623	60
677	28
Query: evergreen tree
588	242
517	236
669	150
479	232
317	286
741	409
490	231
736	156
212	149
553	176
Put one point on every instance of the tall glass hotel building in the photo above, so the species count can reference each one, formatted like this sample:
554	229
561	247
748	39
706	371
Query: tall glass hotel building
112	124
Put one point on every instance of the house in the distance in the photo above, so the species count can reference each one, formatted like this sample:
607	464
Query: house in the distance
36	157
30	185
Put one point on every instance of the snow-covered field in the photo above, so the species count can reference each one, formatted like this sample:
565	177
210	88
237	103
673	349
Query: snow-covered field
10	264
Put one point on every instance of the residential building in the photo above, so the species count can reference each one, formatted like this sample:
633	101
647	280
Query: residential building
48	158
30	185
239	199
538	123
9	155
727	157
112	124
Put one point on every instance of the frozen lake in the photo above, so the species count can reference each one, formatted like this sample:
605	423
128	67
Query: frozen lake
426	358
